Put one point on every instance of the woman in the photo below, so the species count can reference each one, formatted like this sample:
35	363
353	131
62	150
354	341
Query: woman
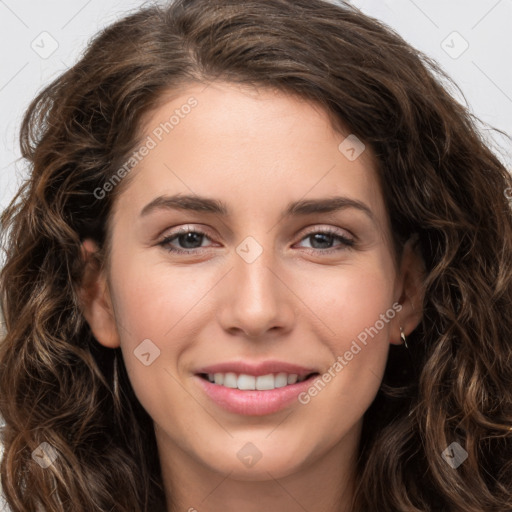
253	372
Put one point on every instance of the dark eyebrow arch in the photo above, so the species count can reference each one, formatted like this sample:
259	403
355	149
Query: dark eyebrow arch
294	209
186	202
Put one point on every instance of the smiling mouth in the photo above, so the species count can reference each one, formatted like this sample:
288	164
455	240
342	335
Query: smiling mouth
259	383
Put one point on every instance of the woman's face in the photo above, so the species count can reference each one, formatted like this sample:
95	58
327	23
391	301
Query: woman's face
276	283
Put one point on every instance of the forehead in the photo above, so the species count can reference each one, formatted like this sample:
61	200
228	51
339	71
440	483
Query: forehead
254	149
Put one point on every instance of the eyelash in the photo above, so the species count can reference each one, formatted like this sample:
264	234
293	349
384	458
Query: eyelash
347	243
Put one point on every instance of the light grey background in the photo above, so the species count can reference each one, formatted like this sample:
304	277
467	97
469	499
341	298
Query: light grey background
30	29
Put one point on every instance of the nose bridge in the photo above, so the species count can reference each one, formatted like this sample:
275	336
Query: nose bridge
258	301
253	275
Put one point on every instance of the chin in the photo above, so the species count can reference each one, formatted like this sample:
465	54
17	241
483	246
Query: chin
279	464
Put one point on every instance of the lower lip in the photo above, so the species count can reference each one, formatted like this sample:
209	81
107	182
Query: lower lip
254	402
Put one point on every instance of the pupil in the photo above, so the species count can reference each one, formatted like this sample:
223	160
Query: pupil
318	238
190	238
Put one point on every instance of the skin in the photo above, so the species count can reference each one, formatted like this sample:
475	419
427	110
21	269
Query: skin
256	150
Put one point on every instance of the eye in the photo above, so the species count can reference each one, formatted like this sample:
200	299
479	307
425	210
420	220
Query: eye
325	237
190	238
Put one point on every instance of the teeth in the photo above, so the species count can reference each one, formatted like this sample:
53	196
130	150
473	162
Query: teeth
246	382
280	380
292	378
251	382
230	380
265	382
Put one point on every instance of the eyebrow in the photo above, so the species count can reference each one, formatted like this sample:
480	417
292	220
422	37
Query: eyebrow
294	209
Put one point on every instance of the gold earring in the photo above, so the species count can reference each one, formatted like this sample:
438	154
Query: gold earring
402	336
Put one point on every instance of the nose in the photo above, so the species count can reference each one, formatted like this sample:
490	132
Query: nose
256	300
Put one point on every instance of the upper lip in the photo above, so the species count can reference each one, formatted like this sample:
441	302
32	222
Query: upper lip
257	369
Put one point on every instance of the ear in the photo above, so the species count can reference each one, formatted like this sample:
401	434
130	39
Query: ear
95	298
410	290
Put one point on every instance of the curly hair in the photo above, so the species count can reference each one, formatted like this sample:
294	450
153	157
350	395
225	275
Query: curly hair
439	178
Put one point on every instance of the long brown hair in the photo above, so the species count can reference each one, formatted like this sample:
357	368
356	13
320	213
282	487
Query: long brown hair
439	180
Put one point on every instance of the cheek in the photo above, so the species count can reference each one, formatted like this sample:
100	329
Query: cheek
350	299
155	309
356	305
163	305
155	299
